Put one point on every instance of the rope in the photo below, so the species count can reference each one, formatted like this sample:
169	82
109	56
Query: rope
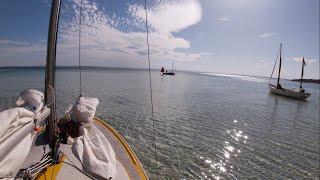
79	65
274	65
75	166
150	84
38	166
149	63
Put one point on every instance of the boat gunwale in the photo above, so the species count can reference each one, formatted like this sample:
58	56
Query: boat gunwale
133	156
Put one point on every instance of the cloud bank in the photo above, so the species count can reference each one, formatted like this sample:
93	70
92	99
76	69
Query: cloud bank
108	39
224	18
299	59
266	35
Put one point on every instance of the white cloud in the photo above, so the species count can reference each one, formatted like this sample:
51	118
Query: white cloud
103	39
10	42
25	49
299	59
266	35
205	53
9	47
170	17
108	40
224	18
264	63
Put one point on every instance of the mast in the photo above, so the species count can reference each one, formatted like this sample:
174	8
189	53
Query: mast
274	66
303	64
278	82
172	66
51	130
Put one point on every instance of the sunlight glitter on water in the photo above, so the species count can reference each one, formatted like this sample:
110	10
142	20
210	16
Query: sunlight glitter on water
242	77
223	166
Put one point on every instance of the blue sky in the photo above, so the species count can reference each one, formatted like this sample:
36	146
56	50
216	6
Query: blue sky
221	36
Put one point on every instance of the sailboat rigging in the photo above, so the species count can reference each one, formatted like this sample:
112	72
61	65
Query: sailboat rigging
79	48
279	90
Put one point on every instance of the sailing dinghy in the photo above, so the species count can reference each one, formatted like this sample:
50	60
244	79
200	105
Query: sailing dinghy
170	73
36	144
279	90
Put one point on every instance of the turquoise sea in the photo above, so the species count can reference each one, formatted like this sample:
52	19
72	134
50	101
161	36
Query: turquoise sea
207	126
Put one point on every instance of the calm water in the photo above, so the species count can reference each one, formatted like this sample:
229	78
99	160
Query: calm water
207	126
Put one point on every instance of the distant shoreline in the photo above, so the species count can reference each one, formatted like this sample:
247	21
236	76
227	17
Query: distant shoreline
316	81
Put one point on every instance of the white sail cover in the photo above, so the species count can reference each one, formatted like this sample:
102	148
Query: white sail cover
16	131
31	99
84	109
92	147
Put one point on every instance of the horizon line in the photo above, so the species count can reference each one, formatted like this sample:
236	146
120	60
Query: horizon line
130	68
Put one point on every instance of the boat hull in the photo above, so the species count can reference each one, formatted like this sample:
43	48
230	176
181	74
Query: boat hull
289	93
169	73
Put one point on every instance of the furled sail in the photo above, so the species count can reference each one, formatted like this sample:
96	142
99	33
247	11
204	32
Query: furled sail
17	130
91	147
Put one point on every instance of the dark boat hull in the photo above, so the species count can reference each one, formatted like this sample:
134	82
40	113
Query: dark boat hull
169	73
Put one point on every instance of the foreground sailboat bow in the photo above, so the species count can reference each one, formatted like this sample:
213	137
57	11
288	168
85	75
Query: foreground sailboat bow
77	146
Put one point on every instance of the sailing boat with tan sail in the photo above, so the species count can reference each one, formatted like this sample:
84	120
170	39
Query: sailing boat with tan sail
166	72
